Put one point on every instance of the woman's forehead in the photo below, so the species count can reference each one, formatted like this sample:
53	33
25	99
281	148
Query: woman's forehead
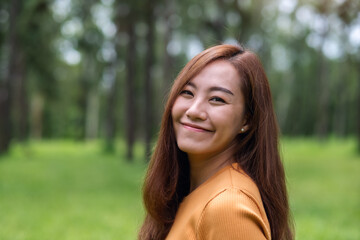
218	73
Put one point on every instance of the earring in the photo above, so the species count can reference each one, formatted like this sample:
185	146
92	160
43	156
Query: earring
242	129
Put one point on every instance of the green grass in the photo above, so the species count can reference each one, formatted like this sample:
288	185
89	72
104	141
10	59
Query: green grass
324	188
66	190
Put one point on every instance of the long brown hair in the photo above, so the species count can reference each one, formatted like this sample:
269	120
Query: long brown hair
168	178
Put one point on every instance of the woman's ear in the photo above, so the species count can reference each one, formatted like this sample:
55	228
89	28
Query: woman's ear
246	126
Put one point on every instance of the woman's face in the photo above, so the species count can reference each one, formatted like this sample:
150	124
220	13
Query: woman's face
209	112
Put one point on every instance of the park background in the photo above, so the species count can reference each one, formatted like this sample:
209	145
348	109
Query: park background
82	88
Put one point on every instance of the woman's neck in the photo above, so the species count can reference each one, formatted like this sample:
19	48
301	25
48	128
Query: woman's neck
203	167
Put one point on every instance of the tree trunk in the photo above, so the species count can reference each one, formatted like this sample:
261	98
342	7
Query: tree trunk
82	101
92	114
110	117
285	101
5	113
20	103
358	108
341	105
12	54
130	90
36	115
5	120
86	78
322	124
168	63
149	59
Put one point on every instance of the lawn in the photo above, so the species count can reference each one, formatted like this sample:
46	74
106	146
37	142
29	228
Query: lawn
69	191
54	190
324	188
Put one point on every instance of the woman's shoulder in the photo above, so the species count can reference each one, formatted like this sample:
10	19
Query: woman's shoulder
234	188
235	212
235	209
230	177
225	204
243	182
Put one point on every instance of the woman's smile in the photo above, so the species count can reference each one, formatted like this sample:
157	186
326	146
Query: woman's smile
195	128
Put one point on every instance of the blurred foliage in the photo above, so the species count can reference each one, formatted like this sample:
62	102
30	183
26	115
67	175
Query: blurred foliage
83	69
70	190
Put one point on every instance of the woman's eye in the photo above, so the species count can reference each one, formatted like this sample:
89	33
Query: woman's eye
217	100
186	93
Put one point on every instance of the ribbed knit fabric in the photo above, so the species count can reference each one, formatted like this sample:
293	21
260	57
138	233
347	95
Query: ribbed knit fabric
227	206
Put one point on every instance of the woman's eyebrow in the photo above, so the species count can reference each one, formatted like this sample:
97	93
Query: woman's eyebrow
212	89
191	84
221	89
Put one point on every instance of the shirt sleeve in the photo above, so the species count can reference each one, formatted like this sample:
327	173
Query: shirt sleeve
233	214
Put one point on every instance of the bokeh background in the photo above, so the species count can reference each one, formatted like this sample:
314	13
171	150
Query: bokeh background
82	89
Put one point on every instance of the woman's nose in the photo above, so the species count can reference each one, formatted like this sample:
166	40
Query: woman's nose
196	111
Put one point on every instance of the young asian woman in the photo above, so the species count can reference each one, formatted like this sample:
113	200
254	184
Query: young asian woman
216	171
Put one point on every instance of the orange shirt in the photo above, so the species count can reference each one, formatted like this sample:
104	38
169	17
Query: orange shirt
227	206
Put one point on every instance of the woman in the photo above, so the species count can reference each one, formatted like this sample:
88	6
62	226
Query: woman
216	171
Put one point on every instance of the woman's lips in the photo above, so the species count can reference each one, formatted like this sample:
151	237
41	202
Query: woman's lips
195	128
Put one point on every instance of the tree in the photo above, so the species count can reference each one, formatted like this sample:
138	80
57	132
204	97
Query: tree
358	107
130	85
88	43
149	60
15	59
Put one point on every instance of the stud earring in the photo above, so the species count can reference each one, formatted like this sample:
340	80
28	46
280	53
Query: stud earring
242	129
